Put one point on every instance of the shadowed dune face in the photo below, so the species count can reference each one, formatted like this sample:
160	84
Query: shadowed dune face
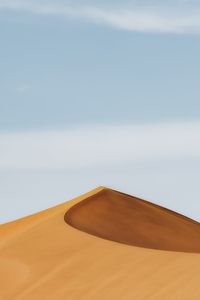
125	219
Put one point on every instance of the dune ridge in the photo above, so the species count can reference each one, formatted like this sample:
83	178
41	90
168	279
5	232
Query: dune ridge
79	251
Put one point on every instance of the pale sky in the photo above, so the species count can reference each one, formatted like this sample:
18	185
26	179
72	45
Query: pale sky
99	93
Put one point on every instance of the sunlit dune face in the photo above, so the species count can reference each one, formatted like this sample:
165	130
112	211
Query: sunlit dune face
121	218
12	271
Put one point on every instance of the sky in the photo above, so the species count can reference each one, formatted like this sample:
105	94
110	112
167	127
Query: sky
99	93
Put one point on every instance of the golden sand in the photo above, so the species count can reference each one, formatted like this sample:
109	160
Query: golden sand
102	245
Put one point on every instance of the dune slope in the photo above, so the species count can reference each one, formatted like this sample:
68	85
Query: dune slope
101	245
129	220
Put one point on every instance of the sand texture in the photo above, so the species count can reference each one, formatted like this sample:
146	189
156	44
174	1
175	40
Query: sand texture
101	245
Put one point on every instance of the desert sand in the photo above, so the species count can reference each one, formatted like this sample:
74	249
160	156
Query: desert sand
101	245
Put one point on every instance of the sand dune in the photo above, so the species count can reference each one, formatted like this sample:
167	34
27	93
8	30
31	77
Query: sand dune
102	245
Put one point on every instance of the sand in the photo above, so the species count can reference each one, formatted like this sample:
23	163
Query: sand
101	245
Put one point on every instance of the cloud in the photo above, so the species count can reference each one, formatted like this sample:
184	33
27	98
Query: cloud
96	146
23	88
159	162
180	17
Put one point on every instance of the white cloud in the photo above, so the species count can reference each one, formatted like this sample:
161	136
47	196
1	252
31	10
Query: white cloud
159	162
145	18
23	88
99	145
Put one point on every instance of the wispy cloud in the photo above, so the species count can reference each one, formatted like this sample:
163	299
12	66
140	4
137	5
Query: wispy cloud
178	18
159	162
98	146
23	88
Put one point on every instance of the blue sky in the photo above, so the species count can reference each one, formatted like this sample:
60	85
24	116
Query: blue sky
99	93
